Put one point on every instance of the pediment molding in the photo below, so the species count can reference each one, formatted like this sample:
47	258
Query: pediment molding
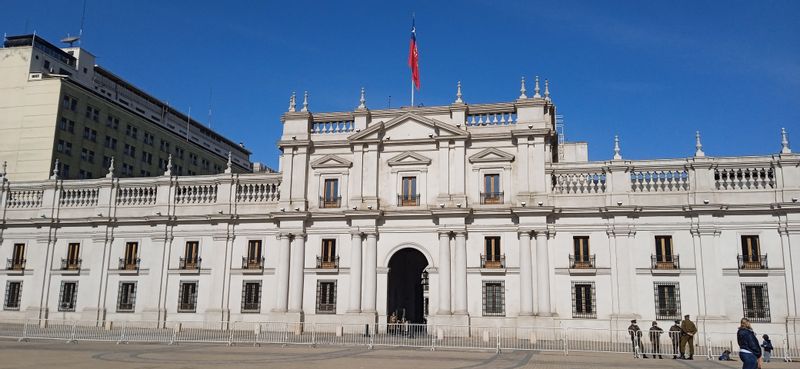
409	158
442	129
331	161
491	155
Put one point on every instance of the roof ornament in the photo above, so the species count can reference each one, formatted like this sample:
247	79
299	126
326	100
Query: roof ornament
698	146
784	145
110	168
305	102
362	102
522	90
458	94
617	154
55	170
5	166
229	167
536	94
292	103
168	171
547	90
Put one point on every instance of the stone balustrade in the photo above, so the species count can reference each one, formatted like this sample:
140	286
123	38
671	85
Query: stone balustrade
492	118
332	127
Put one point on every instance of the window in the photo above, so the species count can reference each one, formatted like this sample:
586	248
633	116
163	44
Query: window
131	131
144	173
187	297
127	170
64	147
755	301
193	158
581	257
68	296
149	138
66	125
63	169
251	296
13	295
73	260
106	161
326	297
494	303
253	260
147	157
165	146
92	113
130	261
664	258
17	261
111	142
191	259
126	300
179	152
130	150
492	194
205	163
409	195
493	257
90	134
330	198
84	174
69	103
112	122
328	258
751	257
668	301
583	303
87	155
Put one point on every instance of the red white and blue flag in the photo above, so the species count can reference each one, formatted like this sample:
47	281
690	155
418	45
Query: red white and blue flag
413	56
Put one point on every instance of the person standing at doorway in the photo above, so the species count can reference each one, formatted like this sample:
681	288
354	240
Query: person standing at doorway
675	336
636	339
688	330
655	339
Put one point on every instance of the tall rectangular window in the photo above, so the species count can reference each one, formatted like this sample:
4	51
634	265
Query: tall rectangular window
17	261
68	296
408	195
751	252
253	259
492	194
664	248
251	296
331	195
126	298
581	256
13	295
326	297
583	300
667	301
73	260
494	298
328	258
187	297
493	257
755	301
130	259
191	255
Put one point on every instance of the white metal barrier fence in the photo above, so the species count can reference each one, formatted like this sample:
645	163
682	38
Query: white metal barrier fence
709	345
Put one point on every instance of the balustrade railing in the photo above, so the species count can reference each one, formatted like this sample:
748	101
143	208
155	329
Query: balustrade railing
252	263
23	198
748	178
660	181
79	197
752	261
129	196
327	262
579	183
71	264
665	262
496	118
129	263
333	126
581	262
257	192
196	194
189	263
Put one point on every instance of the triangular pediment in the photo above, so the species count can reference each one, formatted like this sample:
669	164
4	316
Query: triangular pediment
331	161
409	158
409	126
491	155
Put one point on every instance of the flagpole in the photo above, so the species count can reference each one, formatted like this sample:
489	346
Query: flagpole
412	92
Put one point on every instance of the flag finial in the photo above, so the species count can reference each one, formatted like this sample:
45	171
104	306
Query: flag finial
522	89
362	102
617	153
698	146
784	143
547	90
458	94
292	103
536	94
305	101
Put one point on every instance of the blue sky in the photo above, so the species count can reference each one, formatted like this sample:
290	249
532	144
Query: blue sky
651	71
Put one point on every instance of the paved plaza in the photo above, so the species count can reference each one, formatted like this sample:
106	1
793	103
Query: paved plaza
86	355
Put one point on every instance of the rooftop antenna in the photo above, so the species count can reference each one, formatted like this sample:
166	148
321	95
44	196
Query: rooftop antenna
210	95
71	40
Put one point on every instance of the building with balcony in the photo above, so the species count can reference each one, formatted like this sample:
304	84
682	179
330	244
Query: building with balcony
60	109
460	214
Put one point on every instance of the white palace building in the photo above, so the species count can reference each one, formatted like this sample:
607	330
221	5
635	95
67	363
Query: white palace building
464	214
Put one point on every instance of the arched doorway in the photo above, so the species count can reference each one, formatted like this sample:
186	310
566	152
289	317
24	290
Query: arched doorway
405	290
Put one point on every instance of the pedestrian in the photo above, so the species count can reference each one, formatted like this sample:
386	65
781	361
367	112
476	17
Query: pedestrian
636	339
749	351
725	356
688	330
655	339
767	345
675	336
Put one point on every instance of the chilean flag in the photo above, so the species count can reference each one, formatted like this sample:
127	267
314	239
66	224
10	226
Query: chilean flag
413	56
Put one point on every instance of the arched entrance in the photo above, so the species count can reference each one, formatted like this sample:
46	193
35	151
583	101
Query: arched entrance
405	290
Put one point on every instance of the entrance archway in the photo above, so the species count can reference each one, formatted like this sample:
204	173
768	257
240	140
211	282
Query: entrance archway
405	291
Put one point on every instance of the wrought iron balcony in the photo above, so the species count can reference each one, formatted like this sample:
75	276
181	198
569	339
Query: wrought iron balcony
129	264
15	264
753	261
491	198
408	200
71	264
189	263
327	263
330	202
251	307
252	263
665	262
583	262
493	261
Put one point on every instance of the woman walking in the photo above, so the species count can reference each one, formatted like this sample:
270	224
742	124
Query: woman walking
749	350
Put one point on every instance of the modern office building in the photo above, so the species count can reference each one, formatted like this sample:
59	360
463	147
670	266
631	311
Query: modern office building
57	105
463	214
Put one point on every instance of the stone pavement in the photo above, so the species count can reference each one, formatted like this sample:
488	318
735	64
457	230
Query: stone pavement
87	355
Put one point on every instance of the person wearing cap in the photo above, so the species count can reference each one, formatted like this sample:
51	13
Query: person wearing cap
675	336
655	339
688	330
636	339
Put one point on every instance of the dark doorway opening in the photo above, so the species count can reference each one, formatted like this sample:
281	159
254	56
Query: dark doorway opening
405	292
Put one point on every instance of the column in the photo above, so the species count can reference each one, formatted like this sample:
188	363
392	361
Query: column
461	274
282	274
371	274
525	274
444	274
355	273
543	273
298	255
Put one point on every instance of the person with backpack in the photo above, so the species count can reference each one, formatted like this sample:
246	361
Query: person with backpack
767	346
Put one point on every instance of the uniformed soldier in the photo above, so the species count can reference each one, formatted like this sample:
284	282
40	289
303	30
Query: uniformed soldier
688	330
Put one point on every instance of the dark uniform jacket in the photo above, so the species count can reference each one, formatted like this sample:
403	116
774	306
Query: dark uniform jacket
748	341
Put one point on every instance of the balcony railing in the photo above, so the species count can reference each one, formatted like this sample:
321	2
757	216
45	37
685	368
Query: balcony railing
493	261
252	263
665	262
15	264
491	198
327	263
129	264
328	202
584	262
251	307
189	263
753	261
71	264
408	200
